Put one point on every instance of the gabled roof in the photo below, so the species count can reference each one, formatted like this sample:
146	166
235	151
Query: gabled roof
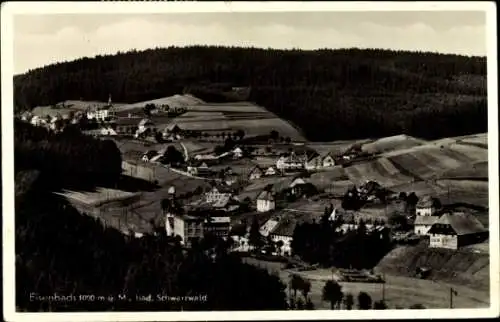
237	150
150	153
426	220
462	223
266	195
285	227
222	189
256	169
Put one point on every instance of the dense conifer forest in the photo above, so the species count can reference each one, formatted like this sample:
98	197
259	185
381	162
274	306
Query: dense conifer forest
330	94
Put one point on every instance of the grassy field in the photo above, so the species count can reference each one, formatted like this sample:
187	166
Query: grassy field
460	267
392	143
381	170
336	147
252	119
172	101
400	291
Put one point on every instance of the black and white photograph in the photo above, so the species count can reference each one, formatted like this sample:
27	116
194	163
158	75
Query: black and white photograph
227	160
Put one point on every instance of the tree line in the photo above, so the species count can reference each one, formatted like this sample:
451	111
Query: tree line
65	159
330	94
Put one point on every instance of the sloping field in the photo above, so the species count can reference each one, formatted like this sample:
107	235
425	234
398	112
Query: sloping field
336	147
171	101
477	170
381	170
430	161
473	192
392	143
252	119
458	267
473	152
98	197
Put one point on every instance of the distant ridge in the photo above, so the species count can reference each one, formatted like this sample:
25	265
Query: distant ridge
330	94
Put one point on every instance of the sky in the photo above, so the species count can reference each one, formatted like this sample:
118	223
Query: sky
41	40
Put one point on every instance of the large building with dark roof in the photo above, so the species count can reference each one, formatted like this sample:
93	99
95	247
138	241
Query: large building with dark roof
454	230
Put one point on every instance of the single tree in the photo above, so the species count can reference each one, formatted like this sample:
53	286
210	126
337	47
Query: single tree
255	237
305	289
332	292
364	301
296	283
348	301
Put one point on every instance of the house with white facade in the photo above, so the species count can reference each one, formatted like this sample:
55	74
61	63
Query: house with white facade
427	206
237	153
218	193
271	171
255	173
282	236
422	224
454	230
266	201
328	161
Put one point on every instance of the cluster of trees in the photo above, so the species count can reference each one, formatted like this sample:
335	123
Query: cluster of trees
322	243
68	158
330	94
60	251
332	292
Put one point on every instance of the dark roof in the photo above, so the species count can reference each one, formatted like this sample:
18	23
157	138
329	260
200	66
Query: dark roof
256	169
285	227
462	223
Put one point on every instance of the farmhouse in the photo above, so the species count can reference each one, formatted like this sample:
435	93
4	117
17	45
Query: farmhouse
149	155
423	224
190	228
125	125
328	161
266	201
37	121
289	162
315	162
454	230
282	236
237	153
255	173
427	206
218	193
99	113
271	171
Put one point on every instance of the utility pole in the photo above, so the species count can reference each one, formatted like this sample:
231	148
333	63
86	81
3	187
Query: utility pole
452	292
383	287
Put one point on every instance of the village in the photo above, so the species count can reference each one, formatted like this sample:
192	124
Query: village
254	191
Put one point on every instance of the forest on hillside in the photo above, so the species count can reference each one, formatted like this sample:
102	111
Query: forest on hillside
330	94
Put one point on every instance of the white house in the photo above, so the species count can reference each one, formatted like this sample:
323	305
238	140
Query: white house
266	201
255	173
271	171
217	193
237	153
422	224
314	163
427	206
290	162
98	113
37	120
282	236
328	161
